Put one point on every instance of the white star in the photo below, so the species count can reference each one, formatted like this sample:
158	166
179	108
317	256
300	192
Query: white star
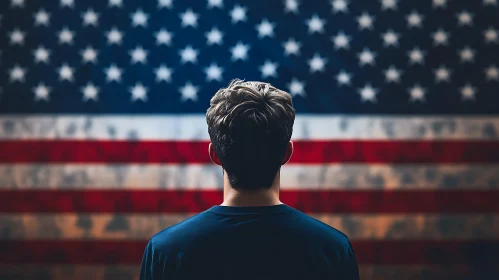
317	63
389	4
265	28
390	38
17	3
365	21
343	78
163	37
42	18
42	92
90	92
214	37
113	73
213	72
316	24
17	37
114	36
392	74
139	18
67	3
90	18
341	41
340	6
240	51
165	4
189	91
442	74
414	19
17	74
467	54
163	73
215	3
66	73
465	18
417	93
492	73
366	57
116	3
291	6
238	14
138	55
189	18
189	55
368	93
468	92
291	47
41	54
66	36
416	56
269	69
439	3
490	35
297	87
138	92
490	2
440	37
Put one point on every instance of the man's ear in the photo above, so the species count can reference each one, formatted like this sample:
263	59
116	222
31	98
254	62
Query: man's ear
289	152
213	155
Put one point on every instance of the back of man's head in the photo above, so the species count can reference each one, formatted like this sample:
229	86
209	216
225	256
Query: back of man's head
250	125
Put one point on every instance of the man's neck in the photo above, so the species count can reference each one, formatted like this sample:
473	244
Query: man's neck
248	198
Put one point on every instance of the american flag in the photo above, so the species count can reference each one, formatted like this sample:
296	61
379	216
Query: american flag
103	139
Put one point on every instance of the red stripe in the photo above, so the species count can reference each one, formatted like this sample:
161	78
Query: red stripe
197	152
176	201
368	252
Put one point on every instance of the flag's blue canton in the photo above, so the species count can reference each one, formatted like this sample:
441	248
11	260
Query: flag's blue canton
339	56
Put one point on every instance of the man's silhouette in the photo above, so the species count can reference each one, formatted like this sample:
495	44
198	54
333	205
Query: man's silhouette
252	234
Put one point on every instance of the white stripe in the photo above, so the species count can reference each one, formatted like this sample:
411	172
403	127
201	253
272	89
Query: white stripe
143	226
193	127
209	176
112	272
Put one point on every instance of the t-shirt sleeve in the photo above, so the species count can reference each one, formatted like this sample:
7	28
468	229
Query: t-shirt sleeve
150	268
351	267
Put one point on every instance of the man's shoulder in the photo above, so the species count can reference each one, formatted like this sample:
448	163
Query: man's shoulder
174	235
202	227
322	230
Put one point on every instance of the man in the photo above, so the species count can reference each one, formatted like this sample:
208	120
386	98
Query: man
252	234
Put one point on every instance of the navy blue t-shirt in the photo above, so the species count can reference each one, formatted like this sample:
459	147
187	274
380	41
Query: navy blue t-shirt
268	242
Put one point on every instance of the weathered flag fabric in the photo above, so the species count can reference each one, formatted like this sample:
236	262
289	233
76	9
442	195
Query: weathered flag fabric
103	139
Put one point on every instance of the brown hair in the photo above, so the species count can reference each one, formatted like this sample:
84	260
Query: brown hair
250	125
